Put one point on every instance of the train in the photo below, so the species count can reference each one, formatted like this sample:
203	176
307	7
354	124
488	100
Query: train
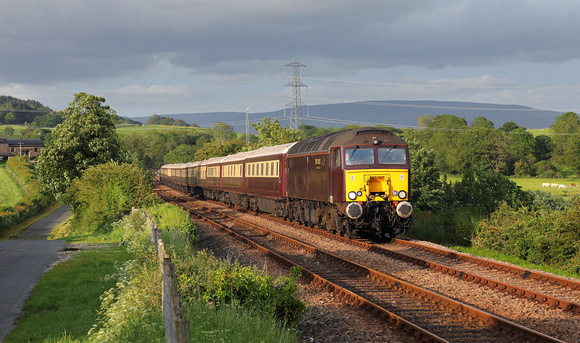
352	183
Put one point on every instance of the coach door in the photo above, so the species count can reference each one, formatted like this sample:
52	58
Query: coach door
336	183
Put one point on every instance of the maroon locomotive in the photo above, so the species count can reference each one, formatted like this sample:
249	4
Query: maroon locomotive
349	182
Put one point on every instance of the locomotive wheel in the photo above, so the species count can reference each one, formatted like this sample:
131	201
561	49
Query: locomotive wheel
336	223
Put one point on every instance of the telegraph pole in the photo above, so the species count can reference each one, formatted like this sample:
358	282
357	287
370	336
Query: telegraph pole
296	104
247	126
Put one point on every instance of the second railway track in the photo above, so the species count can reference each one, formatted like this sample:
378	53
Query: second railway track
449	323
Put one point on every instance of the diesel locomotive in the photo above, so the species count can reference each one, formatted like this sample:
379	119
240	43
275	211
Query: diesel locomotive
350	182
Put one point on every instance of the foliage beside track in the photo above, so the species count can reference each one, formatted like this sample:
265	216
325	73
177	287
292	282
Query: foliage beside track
542	237
212	290
107	192
32	204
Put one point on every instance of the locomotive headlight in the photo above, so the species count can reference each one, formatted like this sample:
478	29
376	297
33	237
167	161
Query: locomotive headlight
402	194
359	193
352	195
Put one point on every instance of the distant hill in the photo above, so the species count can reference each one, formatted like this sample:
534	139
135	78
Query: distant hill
393	113
17	111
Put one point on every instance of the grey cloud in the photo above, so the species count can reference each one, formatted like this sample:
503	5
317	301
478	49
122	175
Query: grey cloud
64	40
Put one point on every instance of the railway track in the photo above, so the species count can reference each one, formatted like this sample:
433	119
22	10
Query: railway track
426	315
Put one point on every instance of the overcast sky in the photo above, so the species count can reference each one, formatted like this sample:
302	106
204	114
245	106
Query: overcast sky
183	56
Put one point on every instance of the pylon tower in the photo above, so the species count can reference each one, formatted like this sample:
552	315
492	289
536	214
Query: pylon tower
296	105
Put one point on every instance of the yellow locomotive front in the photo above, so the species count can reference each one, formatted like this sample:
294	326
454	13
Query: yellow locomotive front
376	188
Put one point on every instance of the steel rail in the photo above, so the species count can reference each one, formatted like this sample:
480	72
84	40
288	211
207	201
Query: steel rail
519	271
453	305
542	298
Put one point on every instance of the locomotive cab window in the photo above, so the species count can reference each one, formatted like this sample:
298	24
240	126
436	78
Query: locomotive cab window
359	156
392	156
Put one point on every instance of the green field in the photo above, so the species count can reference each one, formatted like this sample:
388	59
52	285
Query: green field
10	190
535	184
129	129
17	131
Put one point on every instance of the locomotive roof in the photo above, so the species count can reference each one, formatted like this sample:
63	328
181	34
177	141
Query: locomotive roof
323	143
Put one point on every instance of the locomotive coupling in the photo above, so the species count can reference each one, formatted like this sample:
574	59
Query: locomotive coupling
404	209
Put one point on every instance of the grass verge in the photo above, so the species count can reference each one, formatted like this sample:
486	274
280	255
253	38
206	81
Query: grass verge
514	260
10	190
65	301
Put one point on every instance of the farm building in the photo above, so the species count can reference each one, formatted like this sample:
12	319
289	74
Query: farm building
15	147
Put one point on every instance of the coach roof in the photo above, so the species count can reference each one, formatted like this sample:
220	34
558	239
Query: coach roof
321	144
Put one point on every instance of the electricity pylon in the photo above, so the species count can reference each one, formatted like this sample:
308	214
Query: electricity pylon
296	104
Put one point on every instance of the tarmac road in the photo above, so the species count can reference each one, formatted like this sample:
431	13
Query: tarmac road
23	262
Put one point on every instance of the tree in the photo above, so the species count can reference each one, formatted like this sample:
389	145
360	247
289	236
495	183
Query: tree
181	154
448	121
217	149
8	131
573	154
509	126
10	118
86	138
427	189
222	132
482	122
106	192
272	133
564	127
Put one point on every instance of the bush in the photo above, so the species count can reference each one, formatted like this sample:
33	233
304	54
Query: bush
547	201
220	283
536	236
105	193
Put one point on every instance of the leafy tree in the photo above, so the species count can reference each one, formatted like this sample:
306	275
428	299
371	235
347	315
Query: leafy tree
10	118
543	147
222	132
485	191
106	192
572	154
425	120
564	127
522	145
8	131
181	154
272	133
86	138
482	122
216	149
448	121
427	189
509	126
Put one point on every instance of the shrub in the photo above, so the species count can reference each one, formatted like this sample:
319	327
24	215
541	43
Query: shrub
201	276
537	236
105	193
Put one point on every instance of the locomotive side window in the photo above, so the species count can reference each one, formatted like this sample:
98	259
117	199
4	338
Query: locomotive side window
337	158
